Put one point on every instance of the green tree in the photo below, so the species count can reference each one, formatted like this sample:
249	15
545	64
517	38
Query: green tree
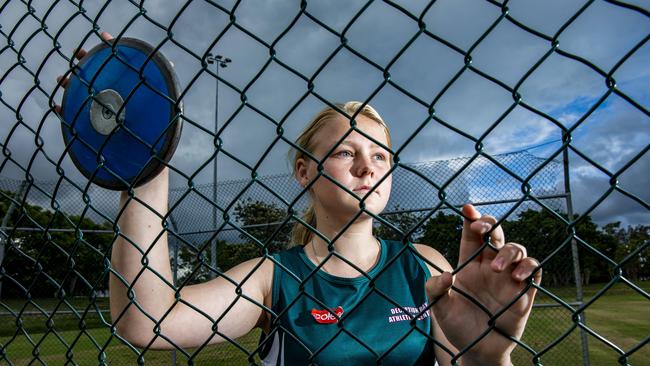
629	241
193	263
637	239
231	255
404	221
47	262
259	219
442	232
594	267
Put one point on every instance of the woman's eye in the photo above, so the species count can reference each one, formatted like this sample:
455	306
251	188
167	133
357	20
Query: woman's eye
344	153
380	157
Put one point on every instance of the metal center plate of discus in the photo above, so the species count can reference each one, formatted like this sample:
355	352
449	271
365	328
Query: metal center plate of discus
103	111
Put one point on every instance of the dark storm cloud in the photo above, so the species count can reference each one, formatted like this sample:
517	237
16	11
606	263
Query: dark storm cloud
614	136
588	186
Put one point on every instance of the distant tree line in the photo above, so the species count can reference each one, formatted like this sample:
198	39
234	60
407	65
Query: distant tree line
45	263
541	232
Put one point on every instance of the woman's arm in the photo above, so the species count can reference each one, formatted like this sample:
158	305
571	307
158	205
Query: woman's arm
443	356
497	278
434	257
141	230
142	297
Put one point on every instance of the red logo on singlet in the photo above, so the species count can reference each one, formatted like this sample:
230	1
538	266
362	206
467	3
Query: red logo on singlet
326	316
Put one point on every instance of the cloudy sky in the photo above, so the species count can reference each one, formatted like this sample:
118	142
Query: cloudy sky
561	88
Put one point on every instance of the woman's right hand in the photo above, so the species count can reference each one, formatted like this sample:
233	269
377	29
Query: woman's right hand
79	54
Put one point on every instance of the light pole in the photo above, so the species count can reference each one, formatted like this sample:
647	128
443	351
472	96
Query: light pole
221	63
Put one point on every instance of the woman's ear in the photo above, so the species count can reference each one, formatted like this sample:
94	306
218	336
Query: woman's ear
301	172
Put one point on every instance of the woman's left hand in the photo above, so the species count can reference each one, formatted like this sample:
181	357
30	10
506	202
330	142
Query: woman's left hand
492	278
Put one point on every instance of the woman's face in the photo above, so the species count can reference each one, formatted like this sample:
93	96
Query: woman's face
356	163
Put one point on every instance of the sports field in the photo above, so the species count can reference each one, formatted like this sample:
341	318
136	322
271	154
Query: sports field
621	316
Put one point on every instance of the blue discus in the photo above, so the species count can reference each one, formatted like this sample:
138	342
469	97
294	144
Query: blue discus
122	114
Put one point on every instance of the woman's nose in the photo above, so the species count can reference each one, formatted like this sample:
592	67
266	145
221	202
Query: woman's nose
364	166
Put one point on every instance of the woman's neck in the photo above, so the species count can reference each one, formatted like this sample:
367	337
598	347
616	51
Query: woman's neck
356	244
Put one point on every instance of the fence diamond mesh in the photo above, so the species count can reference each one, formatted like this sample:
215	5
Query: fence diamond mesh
58	230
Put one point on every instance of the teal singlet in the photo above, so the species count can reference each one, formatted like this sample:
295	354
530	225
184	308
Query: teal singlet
376	325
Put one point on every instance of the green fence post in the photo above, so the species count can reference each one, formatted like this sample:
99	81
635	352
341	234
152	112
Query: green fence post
174	269
574	253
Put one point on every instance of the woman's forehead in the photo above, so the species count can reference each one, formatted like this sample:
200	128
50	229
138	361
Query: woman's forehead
334	129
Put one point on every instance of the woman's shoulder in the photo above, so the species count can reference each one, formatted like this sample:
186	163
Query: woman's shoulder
433	258
430	255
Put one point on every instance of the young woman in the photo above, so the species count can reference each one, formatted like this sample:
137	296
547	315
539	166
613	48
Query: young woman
357	301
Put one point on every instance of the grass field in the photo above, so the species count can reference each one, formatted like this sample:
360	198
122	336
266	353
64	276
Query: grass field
622	316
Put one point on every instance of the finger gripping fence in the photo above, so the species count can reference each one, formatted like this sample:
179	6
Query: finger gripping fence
521	109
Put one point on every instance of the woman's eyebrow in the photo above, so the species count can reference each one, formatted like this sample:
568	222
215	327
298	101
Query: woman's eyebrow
353	144
344	143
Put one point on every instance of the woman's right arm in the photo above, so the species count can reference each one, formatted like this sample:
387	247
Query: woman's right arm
141	298
203	310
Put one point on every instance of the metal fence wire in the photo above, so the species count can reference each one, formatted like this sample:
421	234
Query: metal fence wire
57	231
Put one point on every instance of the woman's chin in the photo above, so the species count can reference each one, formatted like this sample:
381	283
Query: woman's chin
370	209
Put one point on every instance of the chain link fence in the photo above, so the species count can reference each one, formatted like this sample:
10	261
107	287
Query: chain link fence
58	230
496	200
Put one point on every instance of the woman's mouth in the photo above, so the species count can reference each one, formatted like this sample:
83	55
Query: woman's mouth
364	189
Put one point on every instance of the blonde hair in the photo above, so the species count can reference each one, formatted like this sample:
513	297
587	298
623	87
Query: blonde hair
300	234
